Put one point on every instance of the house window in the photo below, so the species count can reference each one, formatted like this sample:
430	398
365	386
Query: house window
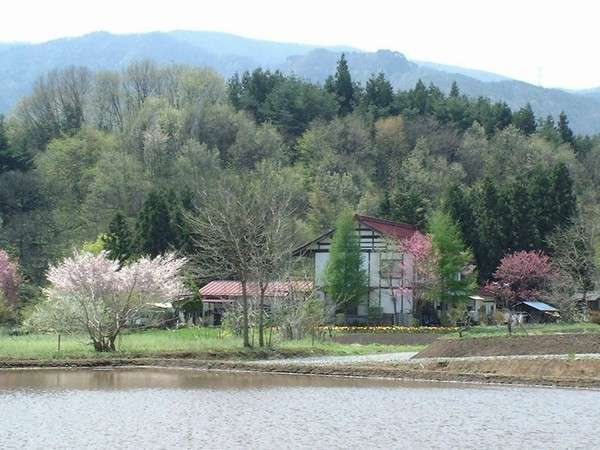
390	266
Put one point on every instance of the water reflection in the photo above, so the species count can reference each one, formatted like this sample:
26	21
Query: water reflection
122	379
151	408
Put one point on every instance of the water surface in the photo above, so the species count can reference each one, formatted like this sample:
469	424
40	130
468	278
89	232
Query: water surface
155	408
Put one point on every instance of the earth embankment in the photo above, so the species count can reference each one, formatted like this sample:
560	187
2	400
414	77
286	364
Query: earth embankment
545	344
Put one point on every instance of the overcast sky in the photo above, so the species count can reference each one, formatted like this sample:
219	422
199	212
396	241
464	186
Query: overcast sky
553	43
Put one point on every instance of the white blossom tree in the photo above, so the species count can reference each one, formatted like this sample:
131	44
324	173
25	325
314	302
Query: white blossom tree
91	293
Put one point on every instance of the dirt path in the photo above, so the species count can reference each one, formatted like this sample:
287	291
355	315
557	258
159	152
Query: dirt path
334	360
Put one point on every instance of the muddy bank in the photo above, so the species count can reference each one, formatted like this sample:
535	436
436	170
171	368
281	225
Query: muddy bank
566	372
547	344
386	338
131	358
577	372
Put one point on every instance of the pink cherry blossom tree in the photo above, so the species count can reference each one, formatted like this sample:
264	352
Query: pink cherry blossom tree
415	271
91	293
522	275
9	280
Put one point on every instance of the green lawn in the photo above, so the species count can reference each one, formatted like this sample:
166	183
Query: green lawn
211	340
193	340
551	328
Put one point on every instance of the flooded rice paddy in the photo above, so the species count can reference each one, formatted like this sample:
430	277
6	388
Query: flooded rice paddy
167	408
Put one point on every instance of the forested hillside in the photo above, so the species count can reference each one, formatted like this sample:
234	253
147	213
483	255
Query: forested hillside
125	153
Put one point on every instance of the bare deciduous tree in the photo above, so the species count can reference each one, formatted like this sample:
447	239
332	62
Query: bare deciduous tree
575	256
244	230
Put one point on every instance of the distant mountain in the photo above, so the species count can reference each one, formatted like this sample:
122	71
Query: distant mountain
473	73
7	45
592	93
583	110
21	64
264	53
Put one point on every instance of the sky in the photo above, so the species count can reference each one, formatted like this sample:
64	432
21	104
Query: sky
550	43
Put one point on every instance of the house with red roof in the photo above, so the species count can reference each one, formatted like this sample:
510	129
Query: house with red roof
219	294
386	297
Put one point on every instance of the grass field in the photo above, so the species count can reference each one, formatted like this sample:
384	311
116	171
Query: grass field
152	342
550	328
211	340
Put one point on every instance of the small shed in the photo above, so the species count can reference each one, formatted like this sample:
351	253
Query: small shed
481	309
537	312
590	301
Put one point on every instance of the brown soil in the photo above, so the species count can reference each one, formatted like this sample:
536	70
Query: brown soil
102	358
547	344
387	338
567	372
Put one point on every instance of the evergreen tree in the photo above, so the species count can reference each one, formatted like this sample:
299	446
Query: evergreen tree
408	206
234	91
459	207
379	94
522	218
564	131
293	104
419	99
118	241
543	204
452	258
501	117
562	195
548	130
454	90
342	87
524	120
154	231
345	279
490	215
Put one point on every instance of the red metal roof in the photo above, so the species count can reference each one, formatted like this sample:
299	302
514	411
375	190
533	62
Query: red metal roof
395	230
388	228
227	289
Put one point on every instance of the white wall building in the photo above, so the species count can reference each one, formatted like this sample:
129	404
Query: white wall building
387	273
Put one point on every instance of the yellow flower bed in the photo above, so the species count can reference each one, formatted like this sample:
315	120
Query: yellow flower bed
391	329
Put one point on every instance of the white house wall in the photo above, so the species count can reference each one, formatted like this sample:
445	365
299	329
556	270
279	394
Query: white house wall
320	265
373	247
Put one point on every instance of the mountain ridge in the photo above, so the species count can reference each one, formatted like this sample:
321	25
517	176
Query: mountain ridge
22	63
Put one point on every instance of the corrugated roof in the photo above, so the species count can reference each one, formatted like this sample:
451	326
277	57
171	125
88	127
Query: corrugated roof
396	230
225	288
540	306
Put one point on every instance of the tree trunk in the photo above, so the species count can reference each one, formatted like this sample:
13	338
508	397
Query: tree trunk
245	334
111	343
509	321
103	344
261	318
395	302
